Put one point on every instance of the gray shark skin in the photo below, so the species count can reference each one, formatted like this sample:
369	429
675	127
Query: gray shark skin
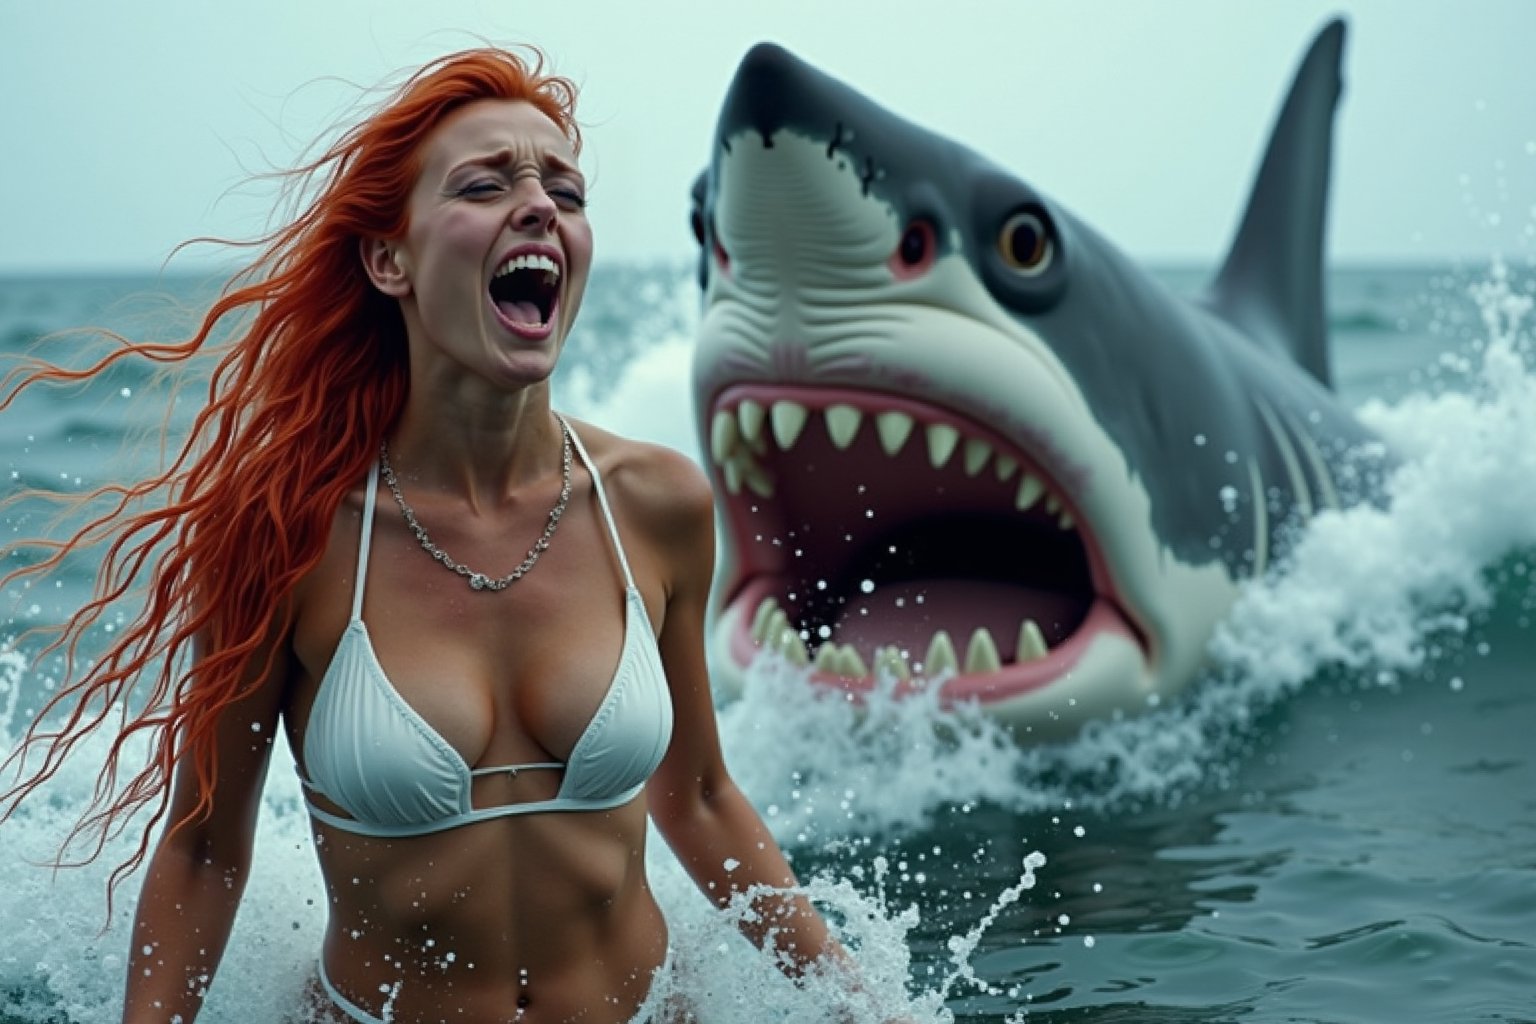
961	441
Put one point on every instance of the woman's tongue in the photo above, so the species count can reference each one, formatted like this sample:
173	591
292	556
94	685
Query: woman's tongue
520	311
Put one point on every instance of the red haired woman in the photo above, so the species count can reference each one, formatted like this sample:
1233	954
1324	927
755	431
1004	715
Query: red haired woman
477	622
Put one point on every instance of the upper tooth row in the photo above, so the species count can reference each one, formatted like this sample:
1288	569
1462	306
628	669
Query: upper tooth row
528	261
771	629
733	435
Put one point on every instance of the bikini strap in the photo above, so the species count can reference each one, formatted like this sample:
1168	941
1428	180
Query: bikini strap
602	500
366	531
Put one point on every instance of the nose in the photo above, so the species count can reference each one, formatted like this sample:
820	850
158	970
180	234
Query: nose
534	209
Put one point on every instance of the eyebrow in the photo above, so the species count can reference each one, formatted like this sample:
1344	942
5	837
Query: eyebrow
501	157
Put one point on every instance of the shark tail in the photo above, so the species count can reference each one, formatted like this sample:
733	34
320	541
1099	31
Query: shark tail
1272	281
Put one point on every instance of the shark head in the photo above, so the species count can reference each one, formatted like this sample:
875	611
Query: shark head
960	440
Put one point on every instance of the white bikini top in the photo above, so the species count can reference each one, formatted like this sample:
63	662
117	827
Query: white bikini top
370	753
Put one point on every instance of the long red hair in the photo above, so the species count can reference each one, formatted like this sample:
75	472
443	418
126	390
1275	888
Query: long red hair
299	400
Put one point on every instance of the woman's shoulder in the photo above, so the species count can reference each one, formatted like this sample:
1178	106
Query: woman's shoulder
657	485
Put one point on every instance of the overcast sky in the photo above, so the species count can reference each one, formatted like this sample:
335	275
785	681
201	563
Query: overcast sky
127	123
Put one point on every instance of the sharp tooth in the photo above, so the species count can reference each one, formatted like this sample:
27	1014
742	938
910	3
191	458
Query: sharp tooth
1031	645
757	480
1030	489
941	655
890	661
790	646
849	663
981	653
840	660
750	415
894	429
942	439
1006	464
977	452
765	609
732	469
1052	504
843	424
1064	521
722	436
788	420
776	623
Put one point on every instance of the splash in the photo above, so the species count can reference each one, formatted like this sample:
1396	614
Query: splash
1376	590
819	767
64	958
722	979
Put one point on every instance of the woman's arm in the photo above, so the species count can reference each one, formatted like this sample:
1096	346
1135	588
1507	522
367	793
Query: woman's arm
708	822
197	873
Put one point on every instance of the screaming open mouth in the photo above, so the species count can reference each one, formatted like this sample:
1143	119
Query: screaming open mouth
525	290
882	535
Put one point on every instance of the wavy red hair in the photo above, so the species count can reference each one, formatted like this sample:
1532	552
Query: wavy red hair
298	404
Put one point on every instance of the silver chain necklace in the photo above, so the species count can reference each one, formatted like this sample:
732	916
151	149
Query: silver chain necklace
479	580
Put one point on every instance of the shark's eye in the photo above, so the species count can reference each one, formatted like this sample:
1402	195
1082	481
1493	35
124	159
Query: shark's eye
915	251
1025	243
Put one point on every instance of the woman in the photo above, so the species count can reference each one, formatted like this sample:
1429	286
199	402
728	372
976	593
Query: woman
480	741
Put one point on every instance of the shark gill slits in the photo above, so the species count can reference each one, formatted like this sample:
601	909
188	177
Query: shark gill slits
915	250
1025	243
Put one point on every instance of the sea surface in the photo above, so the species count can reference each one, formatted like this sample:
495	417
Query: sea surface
1337	824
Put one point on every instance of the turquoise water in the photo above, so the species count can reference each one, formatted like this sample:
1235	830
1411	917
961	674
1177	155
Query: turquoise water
1338	825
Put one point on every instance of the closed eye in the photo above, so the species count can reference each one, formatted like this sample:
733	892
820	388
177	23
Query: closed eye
569	198
477	189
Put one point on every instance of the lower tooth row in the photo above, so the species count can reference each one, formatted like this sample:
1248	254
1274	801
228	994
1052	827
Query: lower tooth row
771	629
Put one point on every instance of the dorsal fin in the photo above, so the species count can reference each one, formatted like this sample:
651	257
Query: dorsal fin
1272	282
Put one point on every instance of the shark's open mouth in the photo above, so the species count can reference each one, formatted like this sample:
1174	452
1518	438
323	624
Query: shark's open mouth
877	534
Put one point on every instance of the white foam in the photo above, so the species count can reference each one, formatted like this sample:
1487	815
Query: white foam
1371	587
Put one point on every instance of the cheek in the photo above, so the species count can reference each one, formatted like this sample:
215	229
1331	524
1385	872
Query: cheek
453	234
578	239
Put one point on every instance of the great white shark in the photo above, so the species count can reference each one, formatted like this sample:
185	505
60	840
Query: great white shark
961	441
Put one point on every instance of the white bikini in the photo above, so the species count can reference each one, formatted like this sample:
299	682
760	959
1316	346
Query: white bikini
371	754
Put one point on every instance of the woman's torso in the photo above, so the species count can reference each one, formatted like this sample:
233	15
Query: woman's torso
551	909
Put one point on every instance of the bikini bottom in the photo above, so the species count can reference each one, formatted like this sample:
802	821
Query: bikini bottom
649	1012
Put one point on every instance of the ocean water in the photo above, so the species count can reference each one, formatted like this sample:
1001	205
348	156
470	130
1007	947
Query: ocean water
1337	824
